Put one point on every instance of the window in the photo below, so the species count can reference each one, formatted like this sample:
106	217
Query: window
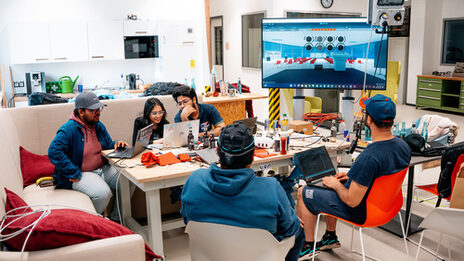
251	40
453	41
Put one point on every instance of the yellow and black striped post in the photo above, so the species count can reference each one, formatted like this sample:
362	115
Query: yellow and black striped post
207	89
274	104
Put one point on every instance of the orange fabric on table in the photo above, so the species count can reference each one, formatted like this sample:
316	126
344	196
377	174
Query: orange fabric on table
167	159
149	159
263	153
184	157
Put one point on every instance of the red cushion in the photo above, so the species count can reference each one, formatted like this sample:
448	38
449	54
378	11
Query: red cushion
34	166
62	227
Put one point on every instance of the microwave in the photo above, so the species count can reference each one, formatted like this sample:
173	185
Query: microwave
136	47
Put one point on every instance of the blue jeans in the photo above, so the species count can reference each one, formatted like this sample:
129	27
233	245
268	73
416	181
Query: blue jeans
97	184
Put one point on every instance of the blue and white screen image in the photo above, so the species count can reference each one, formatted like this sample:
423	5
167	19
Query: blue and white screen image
323	53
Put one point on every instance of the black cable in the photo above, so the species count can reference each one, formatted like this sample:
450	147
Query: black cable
377	66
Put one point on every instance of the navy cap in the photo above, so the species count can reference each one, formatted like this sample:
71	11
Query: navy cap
88	100
236	138
381	108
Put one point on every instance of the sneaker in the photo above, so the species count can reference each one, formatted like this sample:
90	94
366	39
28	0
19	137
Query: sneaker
307	252
328	242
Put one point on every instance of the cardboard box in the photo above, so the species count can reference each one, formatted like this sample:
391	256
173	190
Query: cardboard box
457	196
139	203
301	126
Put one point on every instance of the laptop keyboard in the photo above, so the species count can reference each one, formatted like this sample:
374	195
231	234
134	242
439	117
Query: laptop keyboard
125	153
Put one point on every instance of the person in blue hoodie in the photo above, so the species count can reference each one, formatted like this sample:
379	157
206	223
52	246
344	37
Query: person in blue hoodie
232	195
76	153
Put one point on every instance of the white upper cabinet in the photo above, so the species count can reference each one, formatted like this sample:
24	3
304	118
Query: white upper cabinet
105	40
135	28
29	43
68	42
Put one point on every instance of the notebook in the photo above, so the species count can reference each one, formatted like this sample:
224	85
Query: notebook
315	164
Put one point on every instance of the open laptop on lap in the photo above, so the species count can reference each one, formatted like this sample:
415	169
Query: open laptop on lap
315	164
142	141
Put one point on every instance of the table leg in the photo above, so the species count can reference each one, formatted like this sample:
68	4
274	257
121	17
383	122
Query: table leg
125	199
155	229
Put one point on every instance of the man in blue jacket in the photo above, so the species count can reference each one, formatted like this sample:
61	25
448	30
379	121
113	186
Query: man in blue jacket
233	195
76	153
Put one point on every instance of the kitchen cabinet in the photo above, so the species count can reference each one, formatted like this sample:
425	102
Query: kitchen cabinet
136	28
68	41
105	40
29	43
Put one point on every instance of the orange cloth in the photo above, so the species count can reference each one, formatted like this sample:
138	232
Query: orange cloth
184	157
263	153
149	159
167	159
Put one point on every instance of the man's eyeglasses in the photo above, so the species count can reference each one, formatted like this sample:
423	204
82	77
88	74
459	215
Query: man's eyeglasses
95	111
154	113
183	102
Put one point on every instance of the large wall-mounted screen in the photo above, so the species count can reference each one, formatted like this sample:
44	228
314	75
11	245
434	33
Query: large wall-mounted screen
329	53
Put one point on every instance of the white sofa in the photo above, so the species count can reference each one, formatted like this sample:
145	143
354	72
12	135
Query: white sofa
34	128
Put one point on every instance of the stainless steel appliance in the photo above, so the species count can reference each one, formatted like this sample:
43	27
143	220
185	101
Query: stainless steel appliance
145	46
35	82
132	79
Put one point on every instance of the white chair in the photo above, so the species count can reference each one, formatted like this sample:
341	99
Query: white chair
443	220
212	242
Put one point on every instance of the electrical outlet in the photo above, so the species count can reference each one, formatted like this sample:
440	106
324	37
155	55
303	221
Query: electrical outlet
16	84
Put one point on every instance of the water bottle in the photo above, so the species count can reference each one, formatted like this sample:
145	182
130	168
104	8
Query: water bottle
396	130
425	133
213	80
403	130
333	132
123	82
186	82
284	123
450	138
239	86
413	128
193	84
343	129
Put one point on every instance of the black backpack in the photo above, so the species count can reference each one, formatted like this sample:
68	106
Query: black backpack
161	88
39	98
448	162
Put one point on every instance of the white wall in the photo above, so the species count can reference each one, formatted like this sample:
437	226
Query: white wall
425	43
174	61
232	10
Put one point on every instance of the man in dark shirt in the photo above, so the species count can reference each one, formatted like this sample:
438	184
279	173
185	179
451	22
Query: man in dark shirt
190	109
385	156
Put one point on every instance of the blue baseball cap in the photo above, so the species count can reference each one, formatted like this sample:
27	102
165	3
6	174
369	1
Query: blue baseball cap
381	108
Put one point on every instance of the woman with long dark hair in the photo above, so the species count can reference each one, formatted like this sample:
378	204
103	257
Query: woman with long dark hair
153	112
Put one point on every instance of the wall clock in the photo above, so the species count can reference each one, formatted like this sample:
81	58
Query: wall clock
327	3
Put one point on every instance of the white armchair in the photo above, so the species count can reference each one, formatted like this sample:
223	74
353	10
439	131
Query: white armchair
212	242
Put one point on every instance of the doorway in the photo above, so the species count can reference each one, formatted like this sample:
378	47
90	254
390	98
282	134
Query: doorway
217	47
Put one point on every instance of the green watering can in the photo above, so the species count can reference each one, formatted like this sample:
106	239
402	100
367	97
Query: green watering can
67	84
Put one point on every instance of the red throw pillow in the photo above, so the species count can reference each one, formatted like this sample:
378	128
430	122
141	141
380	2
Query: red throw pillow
62	227
34	166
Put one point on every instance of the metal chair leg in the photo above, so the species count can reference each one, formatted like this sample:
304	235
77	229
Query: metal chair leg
404	234
362	243
420	244
438	247
449	249
315	236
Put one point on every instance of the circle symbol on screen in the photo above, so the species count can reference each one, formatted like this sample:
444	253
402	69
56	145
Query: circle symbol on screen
340	47
308	47
330	47
309	39
319	47
330	39
319	39
341	38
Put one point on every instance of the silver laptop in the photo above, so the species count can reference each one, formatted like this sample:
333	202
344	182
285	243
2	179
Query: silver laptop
142	141
175	134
